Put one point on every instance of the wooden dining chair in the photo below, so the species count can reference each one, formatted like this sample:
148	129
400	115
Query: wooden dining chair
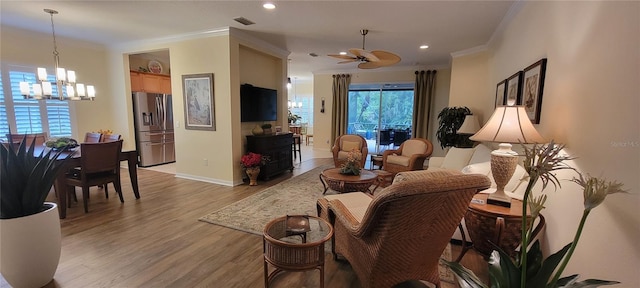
99	165
110	137
40	138
92	137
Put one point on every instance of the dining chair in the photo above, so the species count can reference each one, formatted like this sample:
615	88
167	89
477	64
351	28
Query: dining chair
110	137
99	165
40	138
92	137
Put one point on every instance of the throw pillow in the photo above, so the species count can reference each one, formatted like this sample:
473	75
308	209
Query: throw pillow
350	145
457	158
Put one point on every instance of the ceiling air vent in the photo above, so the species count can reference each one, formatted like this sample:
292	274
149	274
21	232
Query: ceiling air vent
313	54
244	21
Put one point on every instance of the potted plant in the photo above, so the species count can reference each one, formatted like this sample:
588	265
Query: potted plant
449	121
293	117
30	235
266	128
529	268
251	162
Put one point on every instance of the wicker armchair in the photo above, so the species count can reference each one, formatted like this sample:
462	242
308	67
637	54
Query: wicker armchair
408	157
402	232
343	146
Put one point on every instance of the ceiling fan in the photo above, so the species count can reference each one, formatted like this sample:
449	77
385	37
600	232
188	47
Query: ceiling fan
368	59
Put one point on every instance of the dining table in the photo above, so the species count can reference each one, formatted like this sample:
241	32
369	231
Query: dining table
131	156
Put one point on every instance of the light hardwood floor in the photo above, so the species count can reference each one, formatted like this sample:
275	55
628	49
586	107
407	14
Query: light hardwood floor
157	241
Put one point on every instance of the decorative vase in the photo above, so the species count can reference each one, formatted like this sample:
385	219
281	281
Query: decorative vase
253	173
257	130
31	248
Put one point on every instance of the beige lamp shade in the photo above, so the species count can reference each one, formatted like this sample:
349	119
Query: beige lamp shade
470	125
508	124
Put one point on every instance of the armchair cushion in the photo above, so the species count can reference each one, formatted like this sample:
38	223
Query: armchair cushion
398	159
356	202
350	145
457	158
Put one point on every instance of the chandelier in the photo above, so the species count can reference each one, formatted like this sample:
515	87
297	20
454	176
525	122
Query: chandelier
65	79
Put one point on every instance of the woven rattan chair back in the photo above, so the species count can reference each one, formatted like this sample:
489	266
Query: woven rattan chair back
406	227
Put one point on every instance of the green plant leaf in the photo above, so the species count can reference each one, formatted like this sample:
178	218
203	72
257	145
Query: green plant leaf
549	265
534	260
26	179
466	277
586	283
502	270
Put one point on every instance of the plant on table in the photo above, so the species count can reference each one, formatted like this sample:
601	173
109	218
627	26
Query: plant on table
529	269
352	165
449	121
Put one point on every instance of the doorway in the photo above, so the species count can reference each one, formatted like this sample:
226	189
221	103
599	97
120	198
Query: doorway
381	113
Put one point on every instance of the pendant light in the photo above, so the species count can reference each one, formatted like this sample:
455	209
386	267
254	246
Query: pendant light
65	79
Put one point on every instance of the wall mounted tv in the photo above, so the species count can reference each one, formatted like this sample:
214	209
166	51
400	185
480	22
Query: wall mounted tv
258	104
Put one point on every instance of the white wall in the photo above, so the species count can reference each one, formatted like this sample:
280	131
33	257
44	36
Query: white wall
590	104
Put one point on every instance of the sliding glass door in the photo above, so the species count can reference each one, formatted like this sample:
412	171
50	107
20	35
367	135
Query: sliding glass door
381	113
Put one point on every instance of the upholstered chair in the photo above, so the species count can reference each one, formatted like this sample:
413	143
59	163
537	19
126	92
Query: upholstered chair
399	233
409	156
345	144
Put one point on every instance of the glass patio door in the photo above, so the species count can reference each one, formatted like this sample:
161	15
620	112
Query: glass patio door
381	113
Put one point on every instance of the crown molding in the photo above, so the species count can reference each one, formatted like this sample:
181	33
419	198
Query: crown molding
506	20
470	51
251	41
173	38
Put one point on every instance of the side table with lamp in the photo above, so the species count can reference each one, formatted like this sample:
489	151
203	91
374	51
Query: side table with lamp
492	218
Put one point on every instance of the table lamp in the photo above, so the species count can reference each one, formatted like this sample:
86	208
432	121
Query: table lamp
470	125
508	124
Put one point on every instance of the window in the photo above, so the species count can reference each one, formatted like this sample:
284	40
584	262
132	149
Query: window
21	116
376	107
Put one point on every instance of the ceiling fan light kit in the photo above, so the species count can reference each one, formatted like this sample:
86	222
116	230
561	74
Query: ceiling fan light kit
368	59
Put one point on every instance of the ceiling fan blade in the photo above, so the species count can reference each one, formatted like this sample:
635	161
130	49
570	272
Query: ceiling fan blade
348	61
370	56
358	52
386	58
369	65
342	56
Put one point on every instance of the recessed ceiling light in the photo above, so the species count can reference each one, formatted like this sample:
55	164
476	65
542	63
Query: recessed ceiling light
269	5
424	46
343	53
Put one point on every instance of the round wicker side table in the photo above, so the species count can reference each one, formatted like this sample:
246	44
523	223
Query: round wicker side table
295	243
332	179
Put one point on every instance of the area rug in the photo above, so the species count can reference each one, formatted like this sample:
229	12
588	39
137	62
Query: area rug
297	195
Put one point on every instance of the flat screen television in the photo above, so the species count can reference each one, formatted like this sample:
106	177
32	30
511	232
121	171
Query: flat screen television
258	104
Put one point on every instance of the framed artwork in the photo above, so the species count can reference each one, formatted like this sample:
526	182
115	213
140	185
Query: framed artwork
199	110
501	95
532	88
513	89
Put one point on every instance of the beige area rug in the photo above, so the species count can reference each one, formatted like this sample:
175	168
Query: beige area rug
297	195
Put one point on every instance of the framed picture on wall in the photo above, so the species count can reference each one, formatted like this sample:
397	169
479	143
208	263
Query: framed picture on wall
513	89
199	110
501	95
532	88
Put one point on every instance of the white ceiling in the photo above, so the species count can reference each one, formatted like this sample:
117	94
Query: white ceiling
301	27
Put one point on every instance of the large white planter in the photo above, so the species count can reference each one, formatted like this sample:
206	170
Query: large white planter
30	248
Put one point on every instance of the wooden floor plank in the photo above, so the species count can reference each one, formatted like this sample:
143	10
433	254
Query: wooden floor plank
157	241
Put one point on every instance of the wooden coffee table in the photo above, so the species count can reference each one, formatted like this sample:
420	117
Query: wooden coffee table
332	179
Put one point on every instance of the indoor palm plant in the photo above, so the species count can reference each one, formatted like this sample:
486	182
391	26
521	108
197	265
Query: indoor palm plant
529	268
30	234
449	121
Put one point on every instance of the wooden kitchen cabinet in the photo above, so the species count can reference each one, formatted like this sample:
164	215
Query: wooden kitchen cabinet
151	83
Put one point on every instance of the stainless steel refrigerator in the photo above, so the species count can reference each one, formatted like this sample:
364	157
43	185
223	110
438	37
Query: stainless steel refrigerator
153	117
